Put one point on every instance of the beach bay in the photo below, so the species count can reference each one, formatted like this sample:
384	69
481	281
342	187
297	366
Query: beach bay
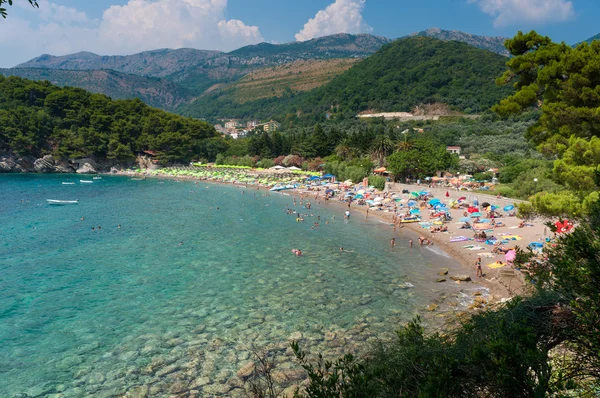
196	276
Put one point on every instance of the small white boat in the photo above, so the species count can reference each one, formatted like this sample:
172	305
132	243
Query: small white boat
68	183
62	202
86	181
97	178
138	179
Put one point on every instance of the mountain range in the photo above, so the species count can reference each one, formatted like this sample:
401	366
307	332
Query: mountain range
177	79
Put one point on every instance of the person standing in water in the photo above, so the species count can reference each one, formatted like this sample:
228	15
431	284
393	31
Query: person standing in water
393	242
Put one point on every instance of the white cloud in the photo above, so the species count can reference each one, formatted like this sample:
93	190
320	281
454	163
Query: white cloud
509	12
138	25
343	16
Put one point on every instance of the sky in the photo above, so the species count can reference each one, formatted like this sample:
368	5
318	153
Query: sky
120	27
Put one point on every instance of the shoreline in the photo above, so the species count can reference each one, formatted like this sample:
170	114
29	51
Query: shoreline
502	286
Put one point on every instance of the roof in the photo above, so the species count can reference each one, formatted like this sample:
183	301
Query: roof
452	147
151	153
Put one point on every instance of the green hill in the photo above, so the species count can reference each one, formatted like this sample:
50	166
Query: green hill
38	118
156	92
401	75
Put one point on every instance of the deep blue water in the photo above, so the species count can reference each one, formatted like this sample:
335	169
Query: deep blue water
82	310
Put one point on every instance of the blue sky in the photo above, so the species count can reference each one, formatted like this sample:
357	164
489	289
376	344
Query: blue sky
127	26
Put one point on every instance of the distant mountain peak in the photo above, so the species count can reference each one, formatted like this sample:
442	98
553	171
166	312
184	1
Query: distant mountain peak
491	43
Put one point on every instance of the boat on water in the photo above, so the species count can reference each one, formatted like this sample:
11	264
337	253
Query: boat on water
138	179
62	202
86	181
68	183
96	178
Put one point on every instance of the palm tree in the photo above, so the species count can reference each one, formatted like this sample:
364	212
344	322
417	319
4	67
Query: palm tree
404	145
345	150
382	145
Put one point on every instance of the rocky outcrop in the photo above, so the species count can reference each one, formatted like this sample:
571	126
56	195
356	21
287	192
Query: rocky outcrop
86	168
48	164
10	163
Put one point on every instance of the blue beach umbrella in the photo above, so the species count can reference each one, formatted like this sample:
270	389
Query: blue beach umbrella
434	201
476	214
423	193
415	211
314	178
359	196
536	245
509	208
465	219
412	203
328	176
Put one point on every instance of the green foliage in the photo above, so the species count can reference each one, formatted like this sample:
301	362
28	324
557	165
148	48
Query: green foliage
378	182
424	159
355	170
38	118
564	79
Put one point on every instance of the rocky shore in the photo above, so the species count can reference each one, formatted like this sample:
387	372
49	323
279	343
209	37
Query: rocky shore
12	163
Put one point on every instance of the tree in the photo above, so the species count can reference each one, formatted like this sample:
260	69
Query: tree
382	145
3	11
424	159
563	80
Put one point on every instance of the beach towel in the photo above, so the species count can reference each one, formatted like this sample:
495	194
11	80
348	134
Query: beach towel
486	255
512	237
496	265
459	239
475	248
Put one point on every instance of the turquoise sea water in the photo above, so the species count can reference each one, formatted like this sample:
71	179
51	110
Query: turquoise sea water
102	312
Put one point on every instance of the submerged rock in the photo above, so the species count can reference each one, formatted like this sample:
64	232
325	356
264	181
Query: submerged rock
462	278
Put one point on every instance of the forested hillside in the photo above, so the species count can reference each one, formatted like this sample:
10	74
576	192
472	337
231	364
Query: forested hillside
38	118
399	76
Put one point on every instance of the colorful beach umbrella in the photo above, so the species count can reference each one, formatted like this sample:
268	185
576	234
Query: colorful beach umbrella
414	194
476	214
412	203
509	208
434	201
415	211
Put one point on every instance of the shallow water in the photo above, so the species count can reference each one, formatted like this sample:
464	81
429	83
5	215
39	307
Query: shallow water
103	312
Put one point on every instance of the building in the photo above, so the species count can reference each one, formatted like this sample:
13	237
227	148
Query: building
453	149
251	125
270	126
233	124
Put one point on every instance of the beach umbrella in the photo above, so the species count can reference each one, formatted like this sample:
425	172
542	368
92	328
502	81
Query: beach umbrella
473	210
461	199
536	245
494	207
328	176
485	204
509	208
434	201
476	214
359	196
412	203
510	256
361	191
415	194
465	219
415	211
423	193
370	202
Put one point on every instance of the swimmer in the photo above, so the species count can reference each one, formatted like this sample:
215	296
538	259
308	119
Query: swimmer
410	243
180	243
393	242
119	226
341	249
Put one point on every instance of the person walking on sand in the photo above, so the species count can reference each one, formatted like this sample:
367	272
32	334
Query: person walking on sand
479	271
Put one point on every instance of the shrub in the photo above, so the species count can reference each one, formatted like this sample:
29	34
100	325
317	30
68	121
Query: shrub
378	182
